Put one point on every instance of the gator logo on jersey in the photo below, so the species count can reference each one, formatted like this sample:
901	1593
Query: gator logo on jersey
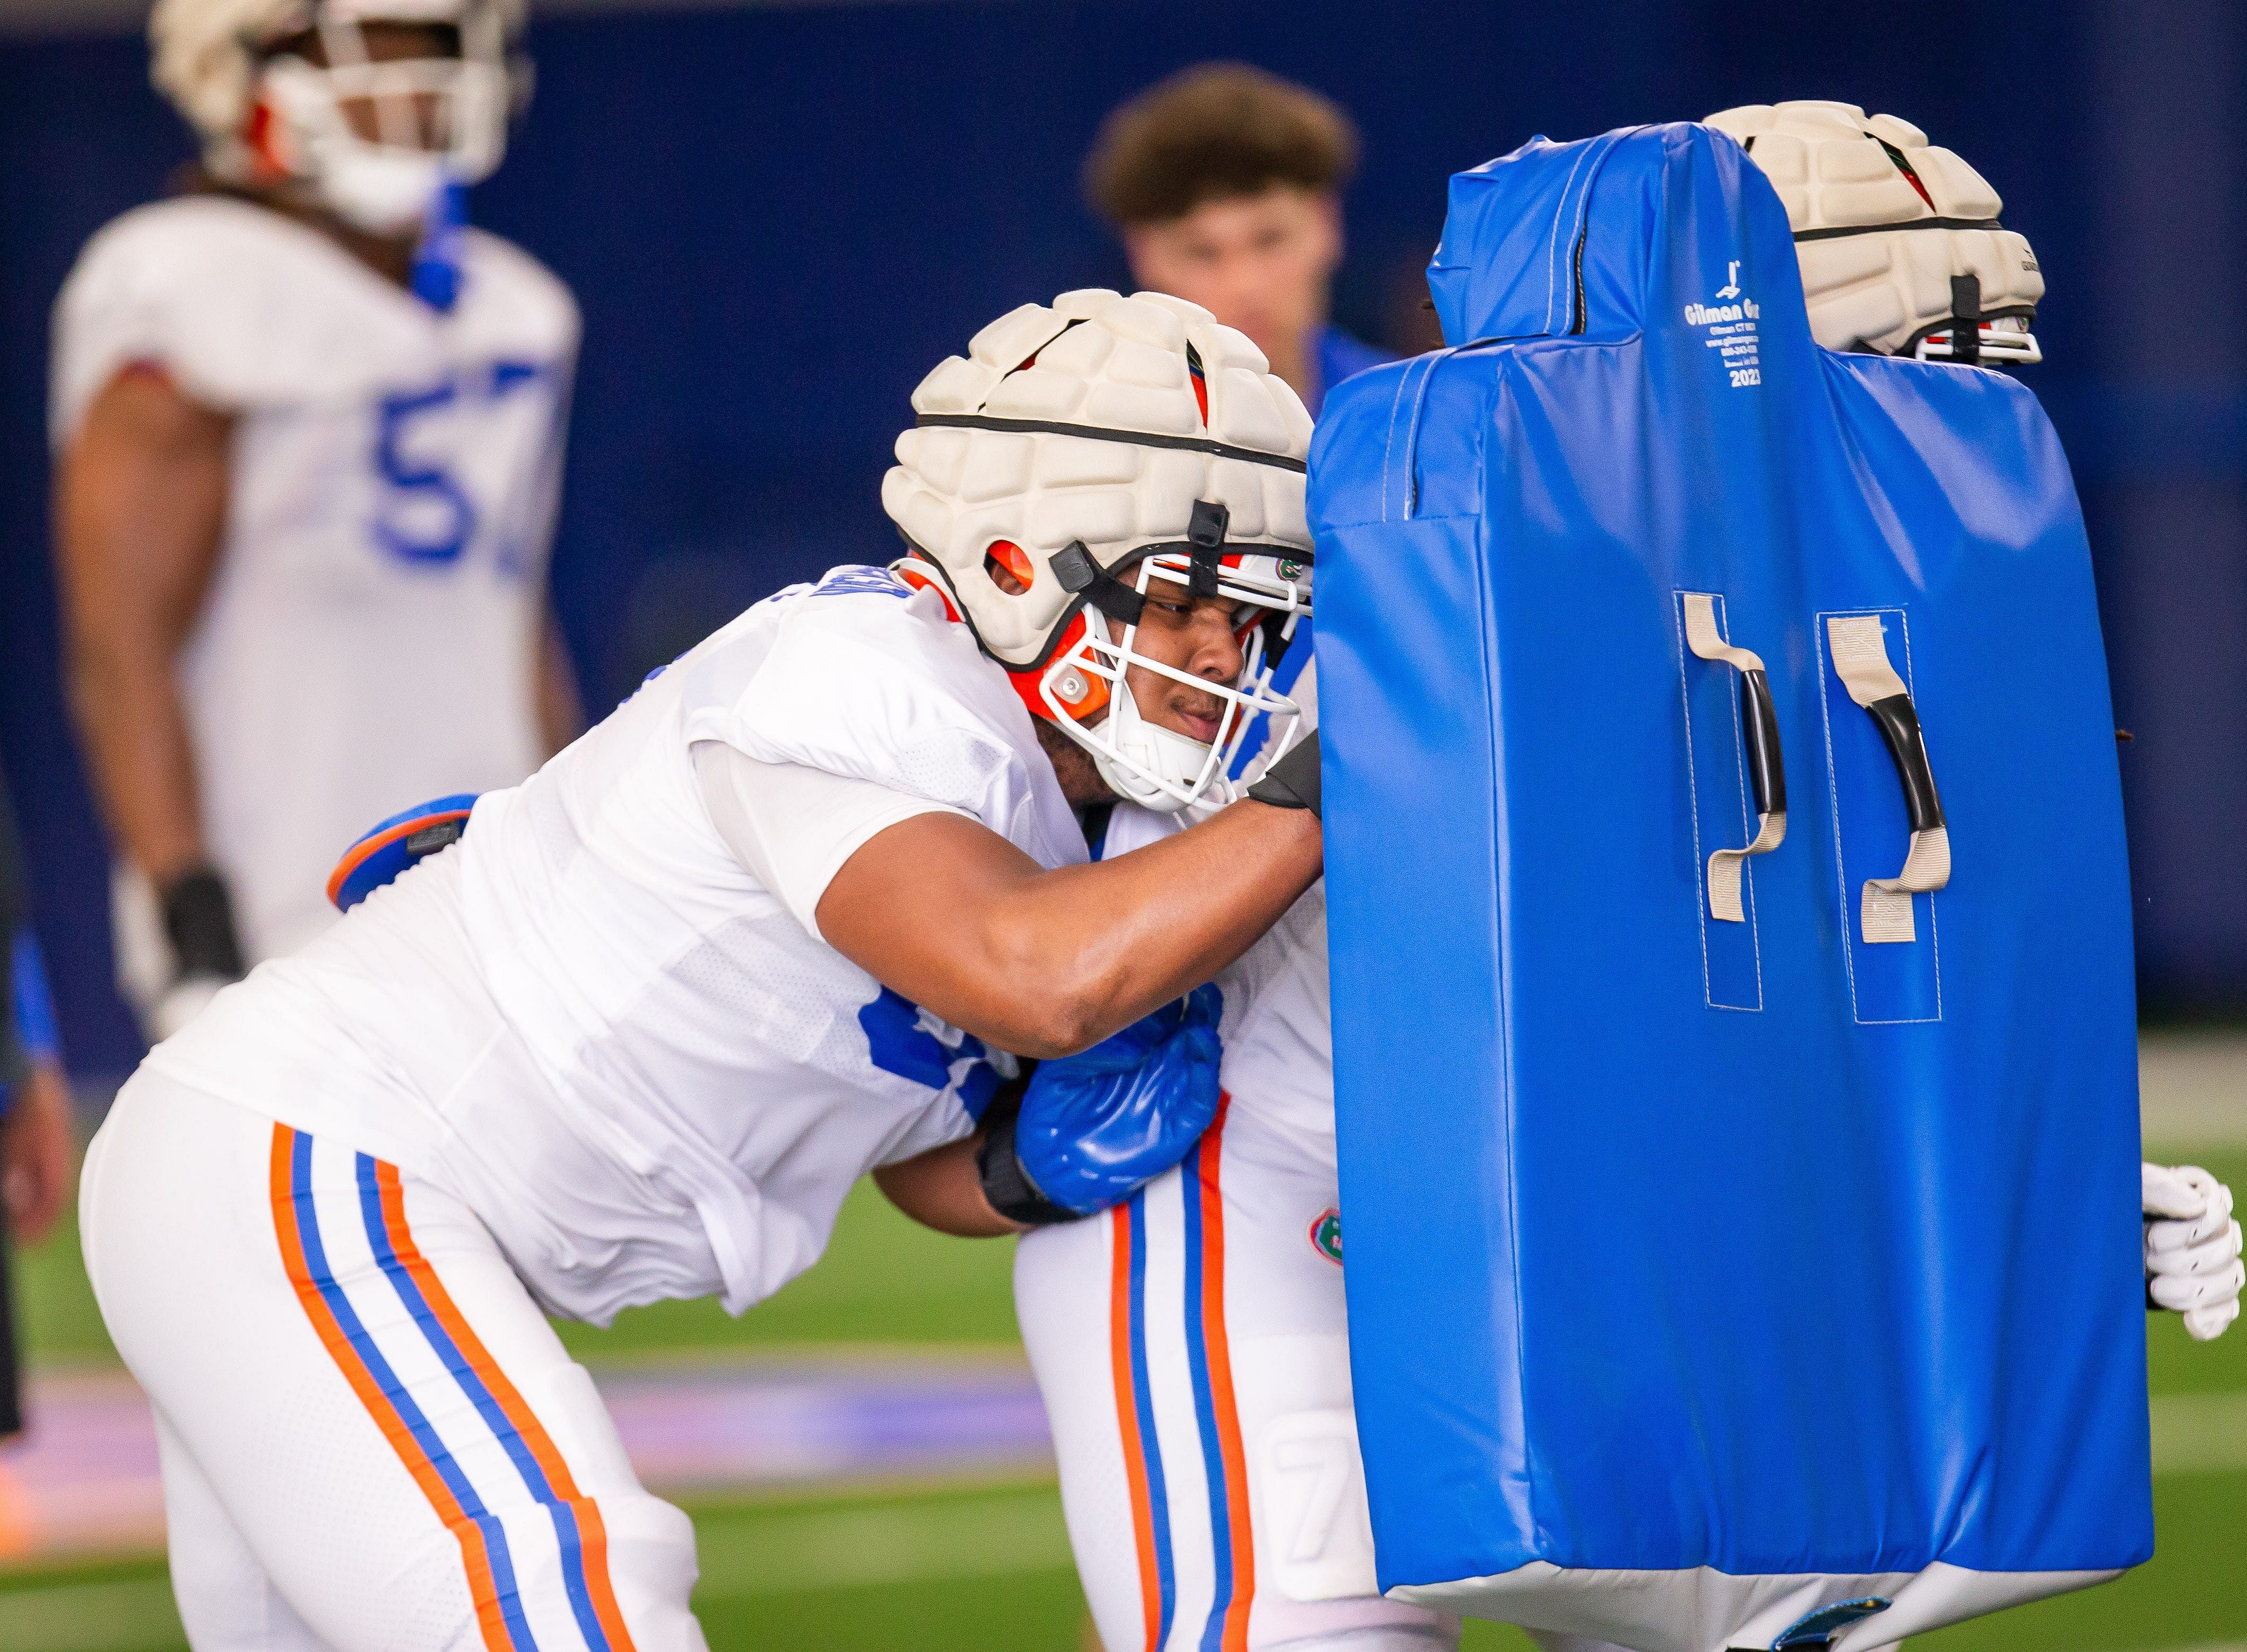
1325	1234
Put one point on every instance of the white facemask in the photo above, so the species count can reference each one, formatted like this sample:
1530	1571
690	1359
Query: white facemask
438	120
1144	763
1155	767
383	191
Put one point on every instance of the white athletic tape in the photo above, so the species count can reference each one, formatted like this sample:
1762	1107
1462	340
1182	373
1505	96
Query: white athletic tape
1886	907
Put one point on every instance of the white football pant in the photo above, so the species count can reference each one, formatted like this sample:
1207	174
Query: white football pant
1191	1348
371	1439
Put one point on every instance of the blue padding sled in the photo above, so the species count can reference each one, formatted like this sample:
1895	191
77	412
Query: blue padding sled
1731	940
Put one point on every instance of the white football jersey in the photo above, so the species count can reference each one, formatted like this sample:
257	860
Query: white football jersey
1276	1031
370	639
591	1024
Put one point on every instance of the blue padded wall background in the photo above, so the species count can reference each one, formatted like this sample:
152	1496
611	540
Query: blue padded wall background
777	218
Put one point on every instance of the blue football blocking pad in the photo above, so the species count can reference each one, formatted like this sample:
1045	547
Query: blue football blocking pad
1743	1248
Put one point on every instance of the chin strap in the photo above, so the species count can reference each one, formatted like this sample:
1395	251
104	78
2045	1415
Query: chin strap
1966	319
1205	533
1080	576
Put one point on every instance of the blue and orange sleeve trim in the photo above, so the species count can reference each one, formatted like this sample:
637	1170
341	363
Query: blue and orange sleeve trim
387	850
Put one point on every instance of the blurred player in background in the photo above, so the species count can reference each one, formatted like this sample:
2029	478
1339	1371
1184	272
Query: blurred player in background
1192	1344
35	1114
308	430
1226	184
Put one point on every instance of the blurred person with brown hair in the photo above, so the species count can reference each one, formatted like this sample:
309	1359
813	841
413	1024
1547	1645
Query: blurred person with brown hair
1226	184
34	1113
308	429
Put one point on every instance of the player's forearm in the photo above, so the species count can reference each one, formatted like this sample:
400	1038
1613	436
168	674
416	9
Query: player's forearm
942	1190
561	711
139	509
127	708
1120	937
1047	962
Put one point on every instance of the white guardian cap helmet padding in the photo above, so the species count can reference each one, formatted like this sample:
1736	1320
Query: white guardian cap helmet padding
1079	451
266	114
1899	242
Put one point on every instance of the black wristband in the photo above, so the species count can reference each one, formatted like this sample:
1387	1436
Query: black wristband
1293	782
199	919
1006	1186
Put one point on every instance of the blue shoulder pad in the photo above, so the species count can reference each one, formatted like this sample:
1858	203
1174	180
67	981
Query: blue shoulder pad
396	843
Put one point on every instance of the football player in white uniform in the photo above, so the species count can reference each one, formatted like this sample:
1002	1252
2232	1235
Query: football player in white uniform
773	924
1191	1344
308	429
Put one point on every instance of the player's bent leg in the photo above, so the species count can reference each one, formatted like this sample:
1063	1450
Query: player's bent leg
224	1596
1063	1299
1273	1231
355	1379
1191	1350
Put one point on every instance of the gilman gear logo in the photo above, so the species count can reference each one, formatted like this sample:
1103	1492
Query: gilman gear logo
1730	325
1325	1234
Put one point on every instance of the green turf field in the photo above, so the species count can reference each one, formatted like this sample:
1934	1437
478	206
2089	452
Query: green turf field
883	1279
985	1567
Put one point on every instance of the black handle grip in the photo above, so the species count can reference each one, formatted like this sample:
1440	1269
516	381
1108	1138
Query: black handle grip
1898	722
1766	768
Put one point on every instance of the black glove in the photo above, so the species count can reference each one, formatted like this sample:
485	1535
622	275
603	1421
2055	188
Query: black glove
1293	782
1006	1186
199	919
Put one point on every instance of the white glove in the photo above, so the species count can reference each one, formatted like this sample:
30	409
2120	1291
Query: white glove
2192	1248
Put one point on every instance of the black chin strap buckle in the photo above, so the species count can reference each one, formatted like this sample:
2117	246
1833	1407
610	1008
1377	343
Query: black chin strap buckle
1966	319
1080	576
1205	533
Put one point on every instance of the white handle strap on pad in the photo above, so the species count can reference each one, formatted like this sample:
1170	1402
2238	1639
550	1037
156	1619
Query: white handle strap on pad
1724	865
1861	660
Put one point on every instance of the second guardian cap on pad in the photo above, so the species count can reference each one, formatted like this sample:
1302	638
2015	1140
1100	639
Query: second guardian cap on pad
1901	248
